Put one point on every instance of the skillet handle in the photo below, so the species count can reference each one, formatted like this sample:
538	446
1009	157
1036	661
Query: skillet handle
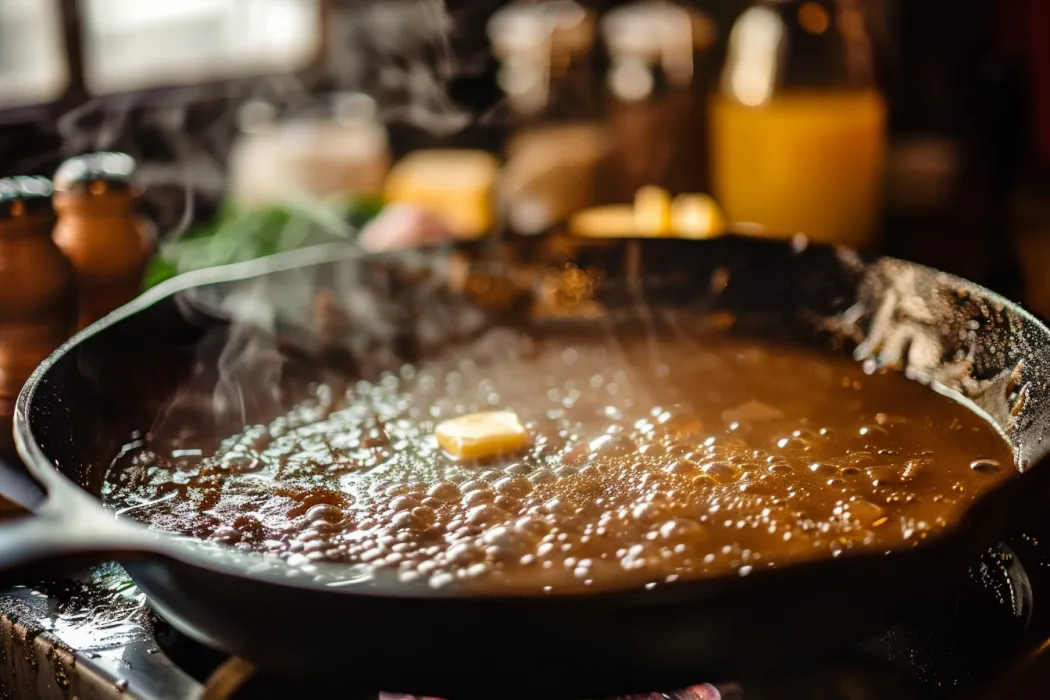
18	487
50	543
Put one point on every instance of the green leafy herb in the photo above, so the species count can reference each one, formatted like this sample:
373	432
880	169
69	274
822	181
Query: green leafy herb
240	234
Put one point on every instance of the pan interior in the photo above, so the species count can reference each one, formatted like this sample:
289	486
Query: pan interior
354	317
675	431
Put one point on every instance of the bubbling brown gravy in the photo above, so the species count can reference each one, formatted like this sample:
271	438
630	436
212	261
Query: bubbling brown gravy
650	460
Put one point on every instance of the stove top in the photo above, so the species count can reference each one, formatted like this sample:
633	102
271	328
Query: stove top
94	637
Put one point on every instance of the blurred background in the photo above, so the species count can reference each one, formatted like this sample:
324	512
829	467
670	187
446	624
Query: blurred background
921	129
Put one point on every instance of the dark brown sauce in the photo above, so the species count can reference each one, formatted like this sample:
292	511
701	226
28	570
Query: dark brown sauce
651	460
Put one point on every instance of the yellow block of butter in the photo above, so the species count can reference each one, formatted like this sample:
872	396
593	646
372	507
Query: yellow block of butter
482	435
457	185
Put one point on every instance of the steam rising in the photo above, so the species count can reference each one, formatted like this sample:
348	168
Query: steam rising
407	60
249	364
328	314
400	53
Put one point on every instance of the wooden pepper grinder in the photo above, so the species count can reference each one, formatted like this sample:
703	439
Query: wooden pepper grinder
38	303
99	231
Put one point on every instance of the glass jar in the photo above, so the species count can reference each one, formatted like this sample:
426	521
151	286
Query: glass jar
346	155
798	125
545	50
546	73
656	74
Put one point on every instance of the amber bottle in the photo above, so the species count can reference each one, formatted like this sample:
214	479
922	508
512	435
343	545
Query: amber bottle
99	231
38	304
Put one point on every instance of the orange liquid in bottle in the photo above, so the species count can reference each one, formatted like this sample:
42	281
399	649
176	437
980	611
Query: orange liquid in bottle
809	162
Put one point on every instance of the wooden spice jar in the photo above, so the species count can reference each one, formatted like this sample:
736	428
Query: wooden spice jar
38	304
99	231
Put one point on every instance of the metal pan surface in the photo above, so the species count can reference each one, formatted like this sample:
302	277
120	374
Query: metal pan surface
114	377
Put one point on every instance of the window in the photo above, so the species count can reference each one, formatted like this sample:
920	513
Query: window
135	44
32	55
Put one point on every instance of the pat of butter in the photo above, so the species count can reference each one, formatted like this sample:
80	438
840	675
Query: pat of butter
482	435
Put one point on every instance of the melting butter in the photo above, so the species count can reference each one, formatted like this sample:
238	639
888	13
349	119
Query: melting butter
482	435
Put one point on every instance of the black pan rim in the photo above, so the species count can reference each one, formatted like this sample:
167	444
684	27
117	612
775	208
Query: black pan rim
167	545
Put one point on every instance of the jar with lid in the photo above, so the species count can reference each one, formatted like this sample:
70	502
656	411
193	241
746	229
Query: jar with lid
546	60
337	156
656	73
99	230
798	125
547	77
38	304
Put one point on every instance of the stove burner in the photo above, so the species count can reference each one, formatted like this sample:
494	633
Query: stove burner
236	678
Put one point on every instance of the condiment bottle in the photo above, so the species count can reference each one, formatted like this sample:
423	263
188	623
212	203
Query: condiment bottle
100	232
798	127
38	303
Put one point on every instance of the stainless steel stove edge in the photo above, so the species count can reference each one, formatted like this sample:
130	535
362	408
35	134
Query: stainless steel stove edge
35	665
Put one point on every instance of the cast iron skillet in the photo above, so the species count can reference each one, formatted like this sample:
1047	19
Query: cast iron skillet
341	309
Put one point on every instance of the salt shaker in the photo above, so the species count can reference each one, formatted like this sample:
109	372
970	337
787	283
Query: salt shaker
100	232
38	303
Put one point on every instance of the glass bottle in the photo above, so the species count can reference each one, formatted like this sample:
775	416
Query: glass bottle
546	74
798	125
545	51
38	303
657	53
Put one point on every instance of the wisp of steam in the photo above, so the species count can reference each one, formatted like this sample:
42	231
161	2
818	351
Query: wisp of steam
349	316
397	51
